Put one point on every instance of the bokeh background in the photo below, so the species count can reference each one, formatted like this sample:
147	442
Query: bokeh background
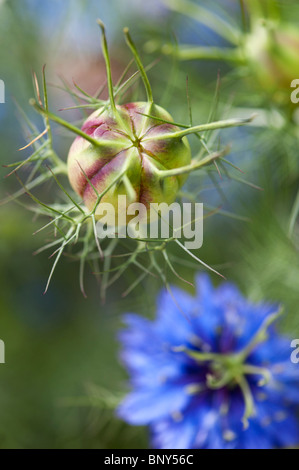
62	377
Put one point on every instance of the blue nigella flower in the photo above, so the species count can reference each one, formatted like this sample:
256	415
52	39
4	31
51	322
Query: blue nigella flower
219	376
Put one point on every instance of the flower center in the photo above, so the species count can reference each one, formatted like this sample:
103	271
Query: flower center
137	143
231	370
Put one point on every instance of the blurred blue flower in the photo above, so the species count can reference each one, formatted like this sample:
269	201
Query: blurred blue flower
219	376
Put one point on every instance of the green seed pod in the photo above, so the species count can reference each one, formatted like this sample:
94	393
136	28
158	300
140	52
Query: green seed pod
273	52
134	150
123	154
128	144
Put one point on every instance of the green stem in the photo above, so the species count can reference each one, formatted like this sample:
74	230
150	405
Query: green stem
68	239
260	334
186	52
108	67
139	65
123	75
199	356
102	194
203	127
294	215
193	166
65	124
248	400
255	370
198	259
268	9
221	382
107	262
47	122
61	166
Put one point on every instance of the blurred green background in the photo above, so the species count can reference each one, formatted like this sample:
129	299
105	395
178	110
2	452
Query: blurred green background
62	375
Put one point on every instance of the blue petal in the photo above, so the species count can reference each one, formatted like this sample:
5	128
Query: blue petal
190	432
146	405
167	434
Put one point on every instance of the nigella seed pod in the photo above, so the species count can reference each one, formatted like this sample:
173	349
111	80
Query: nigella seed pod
123	154
129	149
134	150
273	52
131	143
